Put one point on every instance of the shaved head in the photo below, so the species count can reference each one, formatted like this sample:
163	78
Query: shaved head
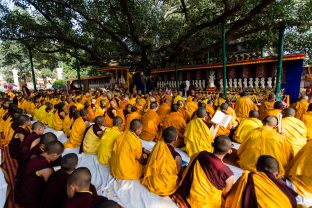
270	121
54	147
253	114
69	162
174	108
153	105
117	121
47	138
289	112
271	97
37	125
267	163
135	124
278	105
99	120
224	106
81	177
170	134
201	112
222	144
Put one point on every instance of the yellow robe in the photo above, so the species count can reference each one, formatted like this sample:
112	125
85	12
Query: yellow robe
150	121
163	110
300	171
268	194
243	106
106	144
210	110
264	109
76	134
264	141
130	117
99	111
125	157
190	108
46	116
274	112
218	102
79	106
301	108
230	111
57	122
91	142
161	172
307	120
67	124
176	120
177	98
296	133
245	127
197	137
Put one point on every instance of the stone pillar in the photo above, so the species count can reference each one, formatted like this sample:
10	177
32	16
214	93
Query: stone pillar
15	77
59	73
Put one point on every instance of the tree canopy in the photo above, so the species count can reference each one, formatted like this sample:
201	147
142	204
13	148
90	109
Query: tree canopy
151	33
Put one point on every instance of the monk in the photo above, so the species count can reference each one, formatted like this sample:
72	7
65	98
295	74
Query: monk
58	117
55	191
219	101
69	120
299	171
295	130
38	146
207	179
182	111
210	110
164	109
110	114
278	108
301	106
191	107
222	130
107	141
30	184
133	115
266	106
178	97
100	110
78	130
47	113
176	120
93	135
81	193
161	173
20	133
243	106
127	156
197	135
262	188
246	126
264	141
151	122
307	120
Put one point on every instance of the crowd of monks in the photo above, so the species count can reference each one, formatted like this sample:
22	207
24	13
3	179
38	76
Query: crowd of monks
275	150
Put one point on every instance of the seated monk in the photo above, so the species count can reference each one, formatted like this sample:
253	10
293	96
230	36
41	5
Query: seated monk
127	110
38	146
177	97
127	156
81	193
191	107
133	115
266	106
78	130
100	110
31	182
210	110
207	179
243	106
197	135
301	106
110	114
299	171
107	141
264	141
69	120
307	120
161	173
182	111
58	117
92	137
55	191
295	130
219	101
38	110
164	109
151	122
262	188
176	120
20	133
278	108
47	113
246	126
222	130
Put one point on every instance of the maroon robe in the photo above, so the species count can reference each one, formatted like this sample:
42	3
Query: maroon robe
55	193
15	143
89	199
36	150
25	146
29	186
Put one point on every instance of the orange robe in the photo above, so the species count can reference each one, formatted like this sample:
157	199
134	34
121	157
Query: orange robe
264	109
131	117
76	134
163	110
245	127
274	112
301	107
176	120
307	120
190	108
243	106
151	123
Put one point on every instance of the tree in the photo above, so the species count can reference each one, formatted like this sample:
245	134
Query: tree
147	34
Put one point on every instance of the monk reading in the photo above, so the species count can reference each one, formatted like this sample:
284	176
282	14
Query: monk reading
127	156
133	115
307	120
246	126
262	188
244	105
81	193
207	179
264	141
295	130
278	108
301	106
197	136
78	130
55	191
176	120
93	134
161	173
30	184
266	106
151	122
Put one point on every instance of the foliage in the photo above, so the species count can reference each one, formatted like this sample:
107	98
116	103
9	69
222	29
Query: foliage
59	84
147	33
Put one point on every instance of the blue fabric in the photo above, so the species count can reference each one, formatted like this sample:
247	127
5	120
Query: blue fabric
293	79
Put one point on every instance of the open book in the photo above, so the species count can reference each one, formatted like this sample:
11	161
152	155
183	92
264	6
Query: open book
219	119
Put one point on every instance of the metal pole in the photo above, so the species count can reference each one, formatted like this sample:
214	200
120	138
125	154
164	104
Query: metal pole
279	73
32	69
78	70
223	37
